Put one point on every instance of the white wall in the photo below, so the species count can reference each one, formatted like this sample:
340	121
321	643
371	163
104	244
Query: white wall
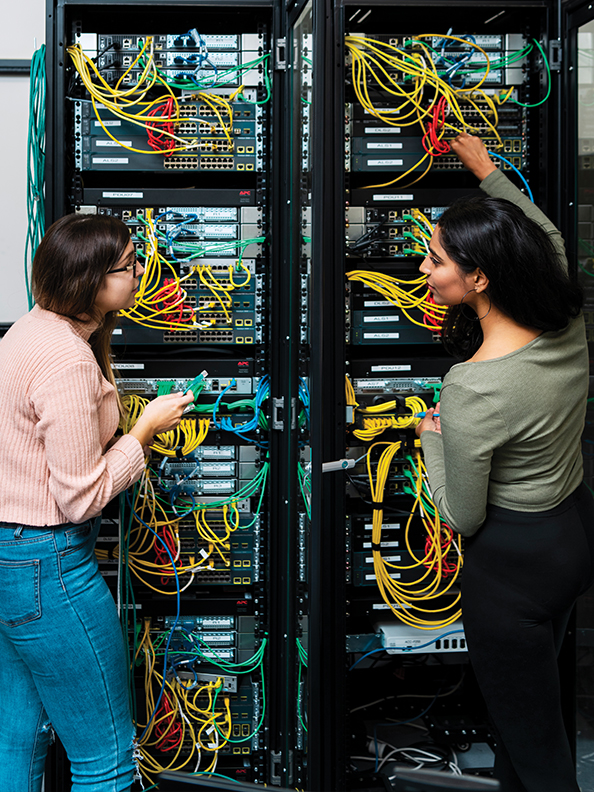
22	22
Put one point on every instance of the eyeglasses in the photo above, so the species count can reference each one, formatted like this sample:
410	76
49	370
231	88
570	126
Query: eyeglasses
130	268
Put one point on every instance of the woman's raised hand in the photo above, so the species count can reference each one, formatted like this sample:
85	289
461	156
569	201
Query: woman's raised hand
472	153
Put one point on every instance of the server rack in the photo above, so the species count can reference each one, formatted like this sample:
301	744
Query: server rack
318	621
347	616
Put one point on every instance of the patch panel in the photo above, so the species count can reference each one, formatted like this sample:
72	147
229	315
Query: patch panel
213	462
373	145
235	316
402	162
510	119
198	154
235	562
164	43
101	139
367	388
177	226
243	635
377	222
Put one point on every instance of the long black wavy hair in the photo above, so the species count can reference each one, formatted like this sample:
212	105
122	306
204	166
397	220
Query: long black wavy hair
528	280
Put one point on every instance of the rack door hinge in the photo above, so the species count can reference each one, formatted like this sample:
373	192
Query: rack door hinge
555	54
280	63
276	759
278	413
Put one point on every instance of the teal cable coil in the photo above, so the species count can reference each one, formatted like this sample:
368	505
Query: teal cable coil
35	163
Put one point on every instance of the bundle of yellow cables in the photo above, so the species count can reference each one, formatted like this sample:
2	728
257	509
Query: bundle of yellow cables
374	424
405	598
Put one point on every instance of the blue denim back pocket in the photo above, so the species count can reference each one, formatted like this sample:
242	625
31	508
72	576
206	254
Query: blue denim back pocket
76	537
20	600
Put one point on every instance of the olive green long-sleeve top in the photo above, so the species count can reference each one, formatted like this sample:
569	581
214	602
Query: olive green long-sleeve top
511	426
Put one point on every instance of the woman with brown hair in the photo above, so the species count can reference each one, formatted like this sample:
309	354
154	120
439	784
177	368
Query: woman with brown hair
63	659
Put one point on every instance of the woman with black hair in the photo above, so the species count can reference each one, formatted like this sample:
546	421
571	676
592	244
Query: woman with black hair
504	459
64	665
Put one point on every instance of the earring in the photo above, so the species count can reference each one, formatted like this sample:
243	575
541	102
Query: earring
474	318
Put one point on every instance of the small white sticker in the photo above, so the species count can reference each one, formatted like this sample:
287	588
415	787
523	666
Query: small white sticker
367	545
108	123
382	130
371	384
393	575
391	368
371	146
374	319
122	195
211	486
394	197
378	336
112	143
110	160
204	553
369	526
377	304
128	366
384	163
117	331
391	559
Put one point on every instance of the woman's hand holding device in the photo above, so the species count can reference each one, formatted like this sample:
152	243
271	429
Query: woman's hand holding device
160	415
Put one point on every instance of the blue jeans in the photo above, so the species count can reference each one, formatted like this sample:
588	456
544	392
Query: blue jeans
62	661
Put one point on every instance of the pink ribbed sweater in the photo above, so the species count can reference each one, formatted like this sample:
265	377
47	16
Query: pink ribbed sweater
57	413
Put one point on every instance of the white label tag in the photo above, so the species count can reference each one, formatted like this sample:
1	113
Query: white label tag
381	335
384	163
225	486
367	545
108	123
385	558
128	366
394	197
369	526
384	146
112	143
203	553
377	304
382	130
371	384
117	331
393	575
391	368
394	318
122	195
110	160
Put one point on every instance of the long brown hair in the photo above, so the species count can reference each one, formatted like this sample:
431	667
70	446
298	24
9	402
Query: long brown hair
70	264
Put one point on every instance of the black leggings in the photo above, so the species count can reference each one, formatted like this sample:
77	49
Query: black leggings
522	574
